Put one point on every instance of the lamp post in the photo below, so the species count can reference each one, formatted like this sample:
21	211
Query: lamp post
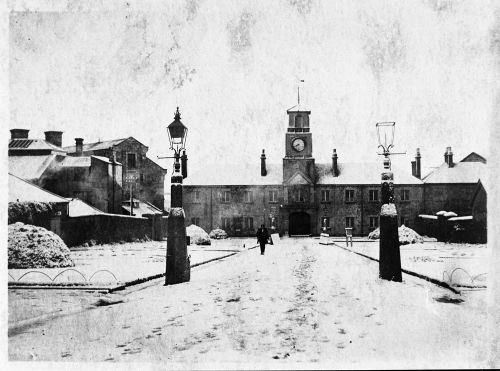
389	258
178	268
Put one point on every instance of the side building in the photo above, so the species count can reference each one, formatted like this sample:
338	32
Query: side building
140	174
298	196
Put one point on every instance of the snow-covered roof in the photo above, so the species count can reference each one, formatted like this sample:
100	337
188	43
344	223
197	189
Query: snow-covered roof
97	145
30	167
299	108
361	173
77	207
461	172
143	208
71	161
21	190
236	174
249	174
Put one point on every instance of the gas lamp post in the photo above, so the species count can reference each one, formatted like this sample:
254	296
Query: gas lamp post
178	268
389	258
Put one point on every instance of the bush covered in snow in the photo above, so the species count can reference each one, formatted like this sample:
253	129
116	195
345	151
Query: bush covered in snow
35	247
406	235
197	235
218	234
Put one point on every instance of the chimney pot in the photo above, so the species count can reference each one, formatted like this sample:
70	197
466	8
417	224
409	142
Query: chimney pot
19	133
418	168
335	167
263	170
450	157
54	137
79	146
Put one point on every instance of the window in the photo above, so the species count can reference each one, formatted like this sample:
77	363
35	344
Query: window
299	121
273	196
404	221
247	196
248	222
373	195
325	195
349	222
373	222
301	195
131	164
405	195
226	196
349	195
226	223
195	221
196	196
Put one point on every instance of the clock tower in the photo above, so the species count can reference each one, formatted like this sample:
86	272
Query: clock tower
298	163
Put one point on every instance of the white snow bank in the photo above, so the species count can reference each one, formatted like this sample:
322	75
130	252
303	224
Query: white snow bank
35	247
406	235
218	234
198	235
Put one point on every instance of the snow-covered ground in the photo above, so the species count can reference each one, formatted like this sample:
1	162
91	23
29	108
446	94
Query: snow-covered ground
300	305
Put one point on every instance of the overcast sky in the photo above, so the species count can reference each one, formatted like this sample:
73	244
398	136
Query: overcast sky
233	68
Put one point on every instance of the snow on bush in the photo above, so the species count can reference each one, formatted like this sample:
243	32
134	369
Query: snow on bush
218	234
406	235
35	247
27	211
197	235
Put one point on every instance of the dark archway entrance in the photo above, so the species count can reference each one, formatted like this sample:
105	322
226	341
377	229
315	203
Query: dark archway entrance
299	224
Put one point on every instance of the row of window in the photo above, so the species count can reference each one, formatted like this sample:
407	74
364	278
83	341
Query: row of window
247	222
373	195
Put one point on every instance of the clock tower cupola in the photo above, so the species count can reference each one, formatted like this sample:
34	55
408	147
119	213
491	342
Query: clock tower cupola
298	145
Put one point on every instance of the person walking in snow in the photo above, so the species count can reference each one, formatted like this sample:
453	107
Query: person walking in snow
262	238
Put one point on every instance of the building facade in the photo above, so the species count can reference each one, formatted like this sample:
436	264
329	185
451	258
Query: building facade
141	175
298	196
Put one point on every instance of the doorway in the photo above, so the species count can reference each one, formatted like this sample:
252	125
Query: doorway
300	224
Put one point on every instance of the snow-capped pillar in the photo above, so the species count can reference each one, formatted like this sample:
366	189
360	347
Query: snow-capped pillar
178	268
390	259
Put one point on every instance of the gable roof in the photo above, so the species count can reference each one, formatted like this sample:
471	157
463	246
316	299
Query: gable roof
298	179
77	207
21	190
30	167
461	172
361	173
474	157
21	145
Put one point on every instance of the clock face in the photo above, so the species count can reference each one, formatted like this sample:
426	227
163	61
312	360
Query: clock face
298	144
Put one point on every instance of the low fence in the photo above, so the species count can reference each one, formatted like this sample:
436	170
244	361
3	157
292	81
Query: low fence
105	228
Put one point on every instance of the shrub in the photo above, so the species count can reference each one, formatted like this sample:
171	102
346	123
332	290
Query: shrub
218	234
29	211
35	247
198	235
406	235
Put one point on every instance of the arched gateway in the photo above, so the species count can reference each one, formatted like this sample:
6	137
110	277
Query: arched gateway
299	224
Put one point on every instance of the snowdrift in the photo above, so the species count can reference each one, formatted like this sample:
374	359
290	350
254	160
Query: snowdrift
35	247
406	235
197	235
218	234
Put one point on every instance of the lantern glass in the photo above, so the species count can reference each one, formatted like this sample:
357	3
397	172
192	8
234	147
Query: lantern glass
385	133
177	133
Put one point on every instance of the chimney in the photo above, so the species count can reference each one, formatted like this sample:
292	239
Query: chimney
54	137
335	167
19	134
448	157
184	167
263	170
418	168
79	146
414	169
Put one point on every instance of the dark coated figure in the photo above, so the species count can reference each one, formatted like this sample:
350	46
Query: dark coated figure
262	238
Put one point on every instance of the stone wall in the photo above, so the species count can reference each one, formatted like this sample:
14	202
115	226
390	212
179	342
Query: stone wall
110	228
